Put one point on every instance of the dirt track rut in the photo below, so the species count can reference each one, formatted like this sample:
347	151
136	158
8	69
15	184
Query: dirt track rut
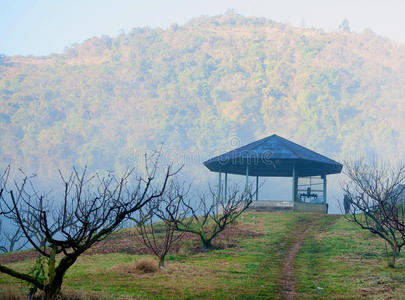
288	271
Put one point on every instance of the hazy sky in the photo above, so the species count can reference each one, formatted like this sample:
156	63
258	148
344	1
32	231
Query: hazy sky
40	27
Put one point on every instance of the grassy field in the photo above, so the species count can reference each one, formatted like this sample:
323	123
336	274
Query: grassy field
337	260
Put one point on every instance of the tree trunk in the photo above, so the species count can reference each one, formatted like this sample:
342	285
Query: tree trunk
51	265
161	262
394	253
52	290
207	245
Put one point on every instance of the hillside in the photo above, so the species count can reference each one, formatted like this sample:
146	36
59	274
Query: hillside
336	259
202	88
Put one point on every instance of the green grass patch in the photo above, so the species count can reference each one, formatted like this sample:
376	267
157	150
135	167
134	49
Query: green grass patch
248	271
337	260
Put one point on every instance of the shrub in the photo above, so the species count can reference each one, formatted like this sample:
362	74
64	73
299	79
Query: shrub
146	265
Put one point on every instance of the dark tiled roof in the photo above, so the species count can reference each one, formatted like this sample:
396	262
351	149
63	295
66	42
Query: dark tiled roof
273	156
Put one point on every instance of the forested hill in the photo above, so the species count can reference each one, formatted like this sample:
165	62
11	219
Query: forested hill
202	88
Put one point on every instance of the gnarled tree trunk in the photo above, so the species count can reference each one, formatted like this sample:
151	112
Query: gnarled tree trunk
161	262
394	253
207	244
53	288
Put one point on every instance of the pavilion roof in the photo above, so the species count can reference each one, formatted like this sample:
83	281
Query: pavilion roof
273	156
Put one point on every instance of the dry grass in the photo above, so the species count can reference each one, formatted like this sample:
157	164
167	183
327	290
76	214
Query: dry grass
180	279
12	293
344	261
9	293
141	266
146	265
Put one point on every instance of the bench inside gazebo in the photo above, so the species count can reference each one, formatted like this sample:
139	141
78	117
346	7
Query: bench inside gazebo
275	156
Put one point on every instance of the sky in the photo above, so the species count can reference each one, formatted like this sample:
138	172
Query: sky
41	27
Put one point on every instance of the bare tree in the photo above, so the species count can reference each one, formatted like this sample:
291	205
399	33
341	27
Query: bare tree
156	221
11	239
210	215
374	192
90	208
3	183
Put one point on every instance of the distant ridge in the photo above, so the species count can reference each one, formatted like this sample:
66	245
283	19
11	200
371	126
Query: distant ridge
104	102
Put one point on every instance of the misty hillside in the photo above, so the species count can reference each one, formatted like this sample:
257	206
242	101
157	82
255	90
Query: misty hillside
202	88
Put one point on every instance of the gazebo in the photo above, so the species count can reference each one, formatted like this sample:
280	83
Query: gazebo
275	156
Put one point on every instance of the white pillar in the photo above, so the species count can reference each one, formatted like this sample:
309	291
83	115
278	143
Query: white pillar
226	186
325	198
294	184
247	178
324	189
219	191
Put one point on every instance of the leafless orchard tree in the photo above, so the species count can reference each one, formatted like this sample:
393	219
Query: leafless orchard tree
210	215
374	192
11	235
3	181
90	208
156	221
11	238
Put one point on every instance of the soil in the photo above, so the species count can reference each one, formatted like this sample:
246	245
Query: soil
288	273
129	241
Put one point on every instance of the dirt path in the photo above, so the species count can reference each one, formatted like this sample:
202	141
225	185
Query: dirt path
288	275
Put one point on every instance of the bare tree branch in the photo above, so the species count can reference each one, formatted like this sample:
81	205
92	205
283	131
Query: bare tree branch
156	221
374	192
87	211
210	215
